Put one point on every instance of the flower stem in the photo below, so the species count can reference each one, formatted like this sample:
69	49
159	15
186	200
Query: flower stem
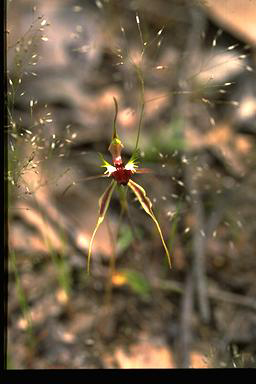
114	124
142	101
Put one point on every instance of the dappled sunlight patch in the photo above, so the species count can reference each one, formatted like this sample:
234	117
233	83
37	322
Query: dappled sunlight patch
21	240
127	118
143	354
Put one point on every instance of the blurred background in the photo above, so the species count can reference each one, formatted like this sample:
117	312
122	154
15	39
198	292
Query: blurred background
66	60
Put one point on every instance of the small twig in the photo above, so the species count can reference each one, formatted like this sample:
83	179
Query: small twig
187	305
216	294
233	298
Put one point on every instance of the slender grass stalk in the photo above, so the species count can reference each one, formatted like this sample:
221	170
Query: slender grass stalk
23	301
62	268
174	227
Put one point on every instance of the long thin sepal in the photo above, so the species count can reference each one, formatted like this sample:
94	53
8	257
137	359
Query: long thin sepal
147	206
103	207
80	180
144	170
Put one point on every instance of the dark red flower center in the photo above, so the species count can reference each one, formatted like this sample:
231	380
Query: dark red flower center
122	175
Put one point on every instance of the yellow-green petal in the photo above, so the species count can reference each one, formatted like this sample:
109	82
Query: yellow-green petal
103	207
147	206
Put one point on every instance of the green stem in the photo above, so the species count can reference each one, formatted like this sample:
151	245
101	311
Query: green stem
114	124
112	265
123	198
142	101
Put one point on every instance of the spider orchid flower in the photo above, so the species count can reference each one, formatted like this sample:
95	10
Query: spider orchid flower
121	175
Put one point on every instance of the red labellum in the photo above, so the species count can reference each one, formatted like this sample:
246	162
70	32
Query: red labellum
122	175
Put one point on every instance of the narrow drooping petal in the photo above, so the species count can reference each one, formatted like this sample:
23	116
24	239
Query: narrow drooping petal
103	206
147	206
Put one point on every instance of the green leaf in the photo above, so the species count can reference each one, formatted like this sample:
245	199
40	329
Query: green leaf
103	207
147	206
125	238
138	283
